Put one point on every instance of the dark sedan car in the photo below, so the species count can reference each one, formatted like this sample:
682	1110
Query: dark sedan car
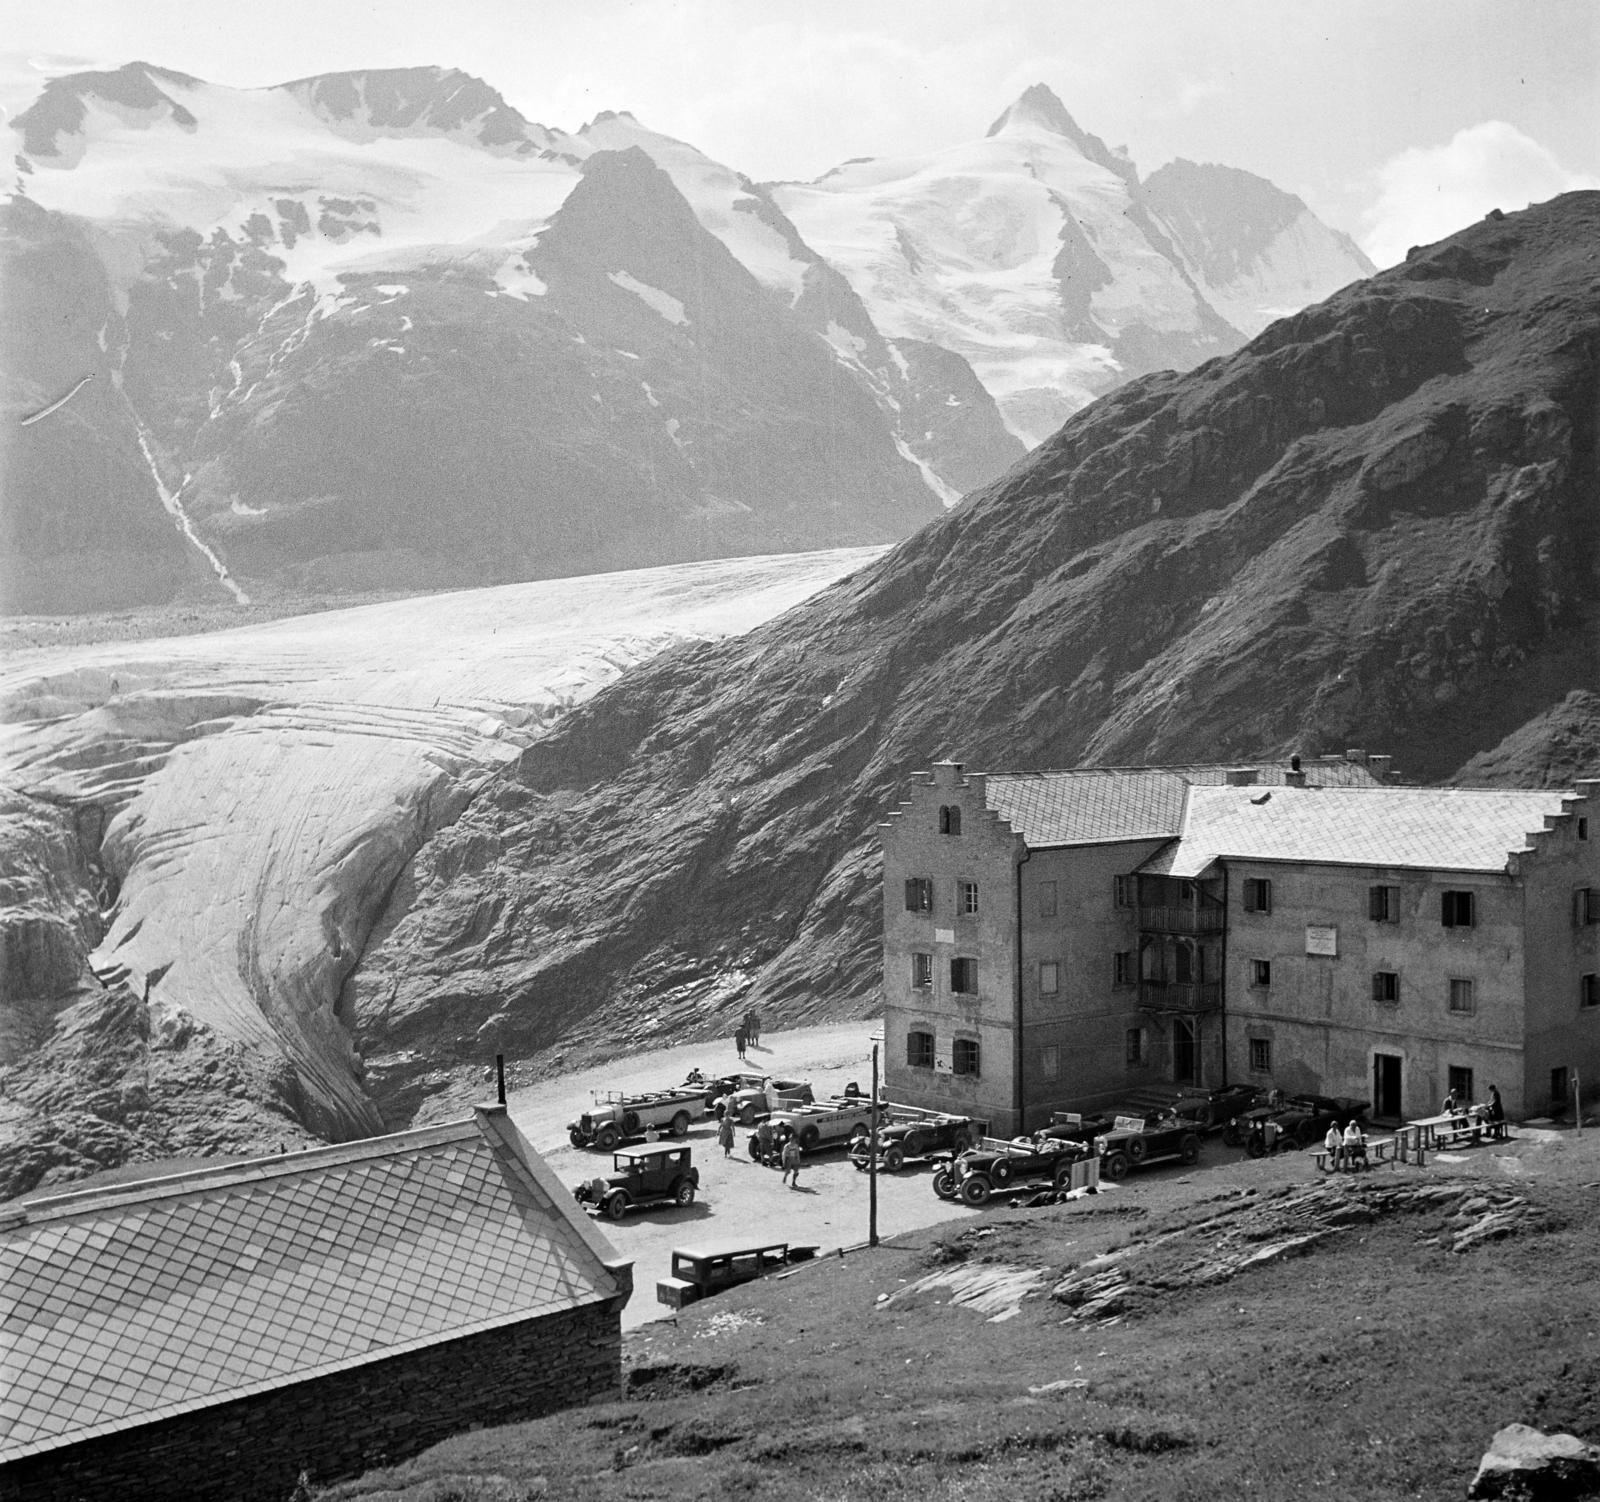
1209	1109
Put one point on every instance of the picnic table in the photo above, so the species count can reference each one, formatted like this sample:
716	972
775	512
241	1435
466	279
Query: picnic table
1434	1133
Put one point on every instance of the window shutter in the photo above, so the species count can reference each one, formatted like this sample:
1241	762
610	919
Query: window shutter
913	894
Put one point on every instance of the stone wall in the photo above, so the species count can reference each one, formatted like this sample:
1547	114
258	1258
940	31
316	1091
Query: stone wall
253	1449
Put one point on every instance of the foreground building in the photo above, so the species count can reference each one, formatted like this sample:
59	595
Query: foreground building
215	1333
1060	940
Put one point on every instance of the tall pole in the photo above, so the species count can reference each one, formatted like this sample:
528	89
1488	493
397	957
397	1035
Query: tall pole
872	1159
1577	1101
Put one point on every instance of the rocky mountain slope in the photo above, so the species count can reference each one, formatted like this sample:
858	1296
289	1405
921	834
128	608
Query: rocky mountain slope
378	331
1374	525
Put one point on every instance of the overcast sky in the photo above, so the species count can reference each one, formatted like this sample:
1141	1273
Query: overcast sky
1397	120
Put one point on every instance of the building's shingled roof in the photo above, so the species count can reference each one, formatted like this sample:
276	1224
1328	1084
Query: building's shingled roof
138	1301
1436	829
1099	805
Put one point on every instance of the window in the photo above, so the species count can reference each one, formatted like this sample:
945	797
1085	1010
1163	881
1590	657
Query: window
1460	1084
1260	972
1461	997
964	976
967	898
1558	1087
1261	1056
919	894
1585	906
922	971
1455	909
1383	904
1049	977
1583	829
1125	890
919	1050
1385	985
1589	990
1122	968
1136	1045
1257	894
949	819
1050	1061
964	1056
1047	899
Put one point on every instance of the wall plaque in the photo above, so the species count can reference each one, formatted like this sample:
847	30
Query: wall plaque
1322	940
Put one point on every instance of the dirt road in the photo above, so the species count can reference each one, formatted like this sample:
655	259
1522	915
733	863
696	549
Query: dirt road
738	1197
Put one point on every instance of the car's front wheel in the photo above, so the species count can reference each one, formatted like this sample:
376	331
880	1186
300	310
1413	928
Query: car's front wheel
894	1158
617	1205
1189	1149
975	1189
685	1194
944	1184
1115	1166
607	1138
680	1124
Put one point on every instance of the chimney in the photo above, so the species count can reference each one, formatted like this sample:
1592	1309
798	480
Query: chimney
1379	766
1357	755
1294	777
1241	777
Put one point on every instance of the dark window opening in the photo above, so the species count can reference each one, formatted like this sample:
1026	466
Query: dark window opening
1461	997
949	819
1589	990
1456	909
1136	1045
1122	968
1558	1087
964	976
964	1056
1385	985
1261	1056
1257	895
919	894
922	971
1383	904
1460	1084
1583	829
1586	906
1124	891
919	1050
1260	972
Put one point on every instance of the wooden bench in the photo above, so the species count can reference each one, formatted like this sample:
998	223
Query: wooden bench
1381	1151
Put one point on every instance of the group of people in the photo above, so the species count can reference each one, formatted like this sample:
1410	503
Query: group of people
748	1032
1346	1149
776	1147
1489	1114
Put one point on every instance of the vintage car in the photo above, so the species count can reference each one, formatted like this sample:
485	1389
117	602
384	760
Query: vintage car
821	1124
619	1117
1210	1109
925	1133
1301	1119
1135	1141
749	1104
1071	1126
977	1173
700	1271
641	1176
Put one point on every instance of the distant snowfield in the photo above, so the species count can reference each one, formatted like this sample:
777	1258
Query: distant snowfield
269	784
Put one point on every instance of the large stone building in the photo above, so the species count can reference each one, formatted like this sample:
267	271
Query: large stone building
212	1334
1060	940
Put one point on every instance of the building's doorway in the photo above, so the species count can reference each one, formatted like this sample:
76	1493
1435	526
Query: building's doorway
1386	1085
1183	1051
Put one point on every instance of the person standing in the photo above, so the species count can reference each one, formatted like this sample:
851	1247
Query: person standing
791	1163
753	1027
740	1037
725	1134
1334	1143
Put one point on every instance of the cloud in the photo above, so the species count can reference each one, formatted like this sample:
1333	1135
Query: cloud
1426	193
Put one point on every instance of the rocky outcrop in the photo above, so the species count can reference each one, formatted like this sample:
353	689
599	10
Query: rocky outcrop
1245	1231
1524	1465
1373	526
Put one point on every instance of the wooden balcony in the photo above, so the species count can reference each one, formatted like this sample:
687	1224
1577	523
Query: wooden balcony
1180	996
1183	918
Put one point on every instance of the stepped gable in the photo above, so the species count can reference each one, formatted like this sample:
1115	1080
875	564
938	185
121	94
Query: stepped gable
1428	829
144	1301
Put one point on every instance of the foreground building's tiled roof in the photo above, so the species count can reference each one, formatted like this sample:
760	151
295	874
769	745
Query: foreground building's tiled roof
135	1302
1436	829
1097	805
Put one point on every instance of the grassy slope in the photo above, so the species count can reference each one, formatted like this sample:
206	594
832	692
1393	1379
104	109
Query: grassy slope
1375	1366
